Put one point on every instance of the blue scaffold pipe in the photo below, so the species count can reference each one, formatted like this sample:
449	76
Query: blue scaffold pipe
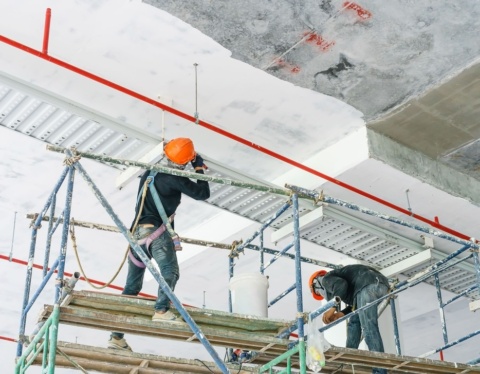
476	260
64	241
279	254
231	265
41	287
330	304
463	293
292	256
156	274
277	214
316	196
474	362
440	308
50	232
31	255
396	333
262	254
282	295
466	337
334	302
298	270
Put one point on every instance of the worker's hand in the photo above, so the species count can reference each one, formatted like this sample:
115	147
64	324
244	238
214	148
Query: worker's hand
328	316
331	315
197	162
337	315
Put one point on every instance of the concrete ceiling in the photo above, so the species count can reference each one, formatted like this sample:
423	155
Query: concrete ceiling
409	66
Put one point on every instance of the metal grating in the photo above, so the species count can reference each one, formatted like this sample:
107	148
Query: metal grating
53	125
341	231
56	120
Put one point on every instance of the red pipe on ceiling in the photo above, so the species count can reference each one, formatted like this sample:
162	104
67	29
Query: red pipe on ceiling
225	133
46	31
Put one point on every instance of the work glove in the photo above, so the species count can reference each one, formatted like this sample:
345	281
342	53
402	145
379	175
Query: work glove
198	162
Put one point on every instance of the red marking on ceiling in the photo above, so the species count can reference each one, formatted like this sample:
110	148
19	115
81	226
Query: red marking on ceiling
362	13
318	40
294	69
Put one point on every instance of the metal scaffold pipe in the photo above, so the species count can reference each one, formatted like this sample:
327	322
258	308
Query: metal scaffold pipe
203	243
316	196
166	170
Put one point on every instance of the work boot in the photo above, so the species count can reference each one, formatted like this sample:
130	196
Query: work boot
166	316
121	344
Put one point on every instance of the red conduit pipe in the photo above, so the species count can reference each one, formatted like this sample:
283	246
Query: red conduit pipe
36	266
8	339
46	31
227	134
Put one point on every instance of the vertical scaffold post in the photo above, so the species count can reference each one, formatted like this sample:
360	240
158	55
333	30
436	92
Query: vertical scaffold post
440	309
66	224
231	264
476	260
31	255
262	254
298	276
46	258
395	326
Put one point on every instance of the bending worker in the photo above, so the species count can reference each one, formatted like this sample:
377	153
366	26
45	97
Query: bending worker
357	286
154	234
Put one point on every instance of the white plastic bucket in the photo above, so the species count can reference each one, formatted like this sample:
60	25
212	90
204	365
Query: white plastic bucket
249	294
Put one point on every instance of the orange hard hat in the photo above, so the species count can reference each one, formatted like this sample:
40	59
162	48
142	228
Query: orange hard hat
320	273
180	150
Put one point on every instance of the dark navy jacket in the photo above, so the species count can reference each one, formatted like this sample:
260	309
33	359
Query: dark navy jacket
347	281
170	189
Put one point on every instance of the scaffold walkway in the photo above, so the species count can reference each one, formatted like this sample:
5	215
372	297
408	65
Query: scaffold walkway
133	315
91	309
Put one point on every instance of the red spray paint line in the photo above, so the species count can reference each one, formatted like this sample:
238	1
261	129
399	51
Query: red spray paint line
362	13
318	40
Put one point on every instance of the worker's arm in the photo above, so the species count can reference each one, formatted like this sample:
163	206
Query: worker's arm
331	315
335	286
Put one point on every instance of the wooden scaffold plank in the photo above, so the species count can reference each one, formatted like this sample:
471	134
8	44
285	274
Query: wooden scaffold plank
355	361
112	361
132	315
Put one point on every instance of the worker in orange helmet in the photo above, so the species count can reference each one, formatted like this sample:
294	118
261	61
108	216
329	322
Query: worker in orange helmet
357	286
149	228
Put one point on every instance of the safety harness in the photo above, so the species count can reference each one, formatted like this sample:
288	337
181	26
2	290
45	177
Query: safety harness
166	225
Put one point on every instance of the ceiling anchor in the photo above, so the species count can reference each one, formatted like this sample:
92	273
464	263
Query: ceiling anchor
408	202
196	95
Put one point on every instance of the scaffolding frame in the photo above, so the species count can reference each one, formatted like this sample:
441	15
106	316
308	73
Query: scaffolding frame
50	328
